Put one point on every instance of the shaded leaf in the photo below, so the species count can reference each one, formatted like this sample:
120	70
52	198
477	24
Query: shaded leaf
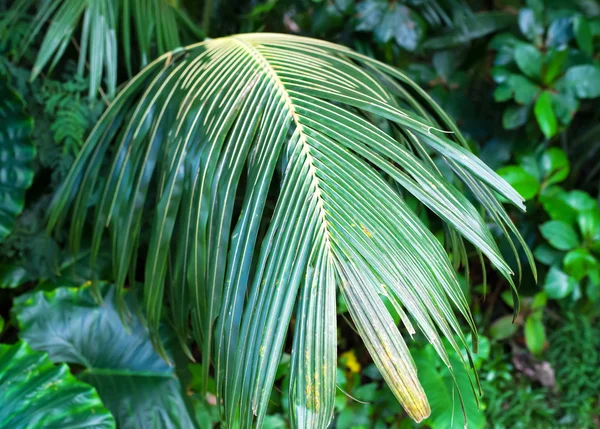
558	285
560	234
503	328
529	24
515	116
554	165
530	60
17	153
34	393
583	35
439	384
544	114
535	335
133	381
525	184
584	81
473	27
578	263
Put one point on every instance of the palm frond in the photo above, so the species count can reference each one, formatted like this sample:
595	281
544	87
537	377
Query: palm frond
207	136
102	23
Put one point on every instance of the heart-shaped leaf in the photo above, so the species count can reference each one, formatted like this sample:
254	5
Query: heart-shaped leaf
140	388
36	394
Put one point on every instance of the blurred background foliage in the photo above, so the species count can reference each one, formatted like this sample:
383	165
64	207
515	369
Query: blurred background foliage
521	79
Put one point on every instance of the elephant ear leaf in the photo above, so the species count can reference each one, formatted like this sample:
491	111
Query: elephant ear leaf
136	385
17	153
35	393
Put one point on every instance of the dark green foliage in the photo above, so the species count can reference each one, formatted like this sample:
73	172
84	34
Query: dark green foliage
551	73
36	394
521	80
575	355
17	154
135	384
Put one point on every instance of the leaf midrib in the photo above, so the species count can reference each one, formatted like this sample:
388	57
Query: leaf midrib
272	73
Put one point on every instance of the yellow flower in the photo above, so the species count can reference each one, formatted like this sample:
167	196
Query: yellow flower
349	359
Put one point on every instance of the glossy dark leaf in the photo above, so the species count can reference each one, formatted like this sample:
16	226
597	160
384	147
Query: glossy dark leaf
136	385
17	153
530	25
473	27
544	114
525	184
584	81
515	116
440	384
560	234
560	32
36	394
530	60
503	328
558	285
554	164
535	334
579	263
583	35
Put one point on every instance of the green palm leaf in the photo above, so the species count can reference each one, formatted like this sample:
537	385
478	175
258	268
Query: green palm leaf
206	137
156	23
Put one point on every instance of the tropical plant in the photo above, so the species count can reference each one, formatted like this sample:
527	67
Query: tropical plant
269	170
37	394
134	383
157	25
17	153
540	73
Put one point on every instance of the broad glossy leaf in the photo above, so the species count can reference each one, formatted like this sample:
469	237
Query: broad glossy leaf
269	167
548	255
561	235
580	200
535	334
530	25
524	183
503	328
524	90
560	32
473	26
544	114
12	276
17	153
136	385
554	200
565	106
36	394
555	61
515	116
583	34
558	284
584	81
589	224
554	165
579	263
443	392
530	60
